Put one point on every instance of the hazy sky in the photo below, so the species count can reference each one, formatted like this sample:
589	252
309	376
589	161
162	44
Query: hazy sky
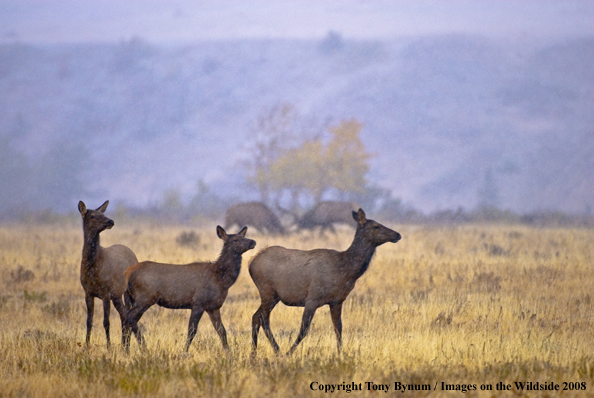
183	20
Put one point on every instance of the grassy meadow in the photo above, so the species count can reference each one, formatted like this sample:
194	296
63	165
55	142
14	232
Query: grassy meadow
453	308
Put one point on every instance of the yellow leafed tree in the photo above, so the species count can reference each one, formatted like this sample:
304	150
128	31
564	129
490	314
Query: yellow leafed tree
347	160
315	168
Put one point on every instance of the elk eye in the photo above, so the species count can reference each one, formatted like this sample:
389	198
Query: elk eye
376	227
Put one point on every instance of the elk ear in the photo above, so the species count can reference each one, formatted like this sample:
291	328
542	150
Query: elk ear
242	232
82	208
103	207
221	233
359	216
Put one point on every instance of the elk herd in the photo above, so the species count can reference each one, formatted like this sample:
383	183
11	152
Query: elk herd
300	278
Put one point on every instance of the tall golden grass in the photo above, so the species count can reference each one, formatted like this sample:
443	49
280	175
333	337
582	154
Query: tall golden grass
469	305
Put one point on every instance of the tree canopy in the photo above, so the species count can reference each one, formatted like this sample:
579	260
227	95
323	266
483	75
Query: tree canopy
332	161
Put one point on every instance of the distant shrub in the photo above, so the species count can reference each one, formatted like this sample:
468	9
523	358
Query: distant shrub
495	250
22	275
34	297
4	301
442	320
36	334
188	239
60	309
486	282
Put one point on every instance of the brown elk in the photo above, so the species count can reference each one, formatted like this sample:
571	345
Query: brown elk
254	214
326	214
313	278
102	269
197	286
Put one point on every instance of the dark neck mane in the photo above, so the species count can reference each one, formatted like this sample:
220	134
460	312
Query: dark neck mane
91	248
228	266
358	255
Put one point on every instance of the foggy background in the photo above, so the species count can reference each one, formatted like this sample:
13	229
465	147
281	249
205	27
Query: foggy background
152	104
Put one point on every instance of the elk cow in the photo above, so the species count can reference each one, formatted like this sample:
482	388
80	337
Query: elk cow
102	269
254	214
326	214
313	278
197	286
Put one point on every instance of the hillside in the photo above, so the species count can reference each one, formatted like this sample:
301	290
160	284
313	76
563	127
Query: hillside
445	115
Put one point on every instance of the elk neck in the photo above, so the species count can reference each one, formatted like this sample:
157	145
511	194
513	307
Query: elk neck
358	256
227	267
91	248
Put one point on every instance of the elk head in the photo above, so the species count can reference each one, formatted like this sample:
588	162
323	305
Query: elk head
95	220
374	232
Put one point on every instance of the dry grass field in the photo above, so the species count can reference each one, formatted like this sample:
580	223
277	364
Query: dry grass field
457	310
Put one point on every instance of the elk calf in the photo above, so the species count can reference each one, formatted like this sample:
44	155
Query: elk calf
102	269
197	286
313	278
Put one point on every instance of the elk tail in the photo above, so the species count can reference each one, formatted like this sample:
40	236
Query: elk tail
128	300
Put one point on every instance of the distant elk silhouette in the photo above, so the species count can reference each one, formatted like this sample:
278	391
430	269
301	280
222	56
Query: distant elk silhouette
327	213
102	269
313	278
197	286
254	214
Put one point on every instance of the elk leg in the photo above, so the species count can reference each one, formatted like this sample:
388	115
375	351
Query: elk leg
258	320
126	337
336	314
267	308
215	318
308	313
131	322
256	323
193	325
90	302
119	306
106	308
